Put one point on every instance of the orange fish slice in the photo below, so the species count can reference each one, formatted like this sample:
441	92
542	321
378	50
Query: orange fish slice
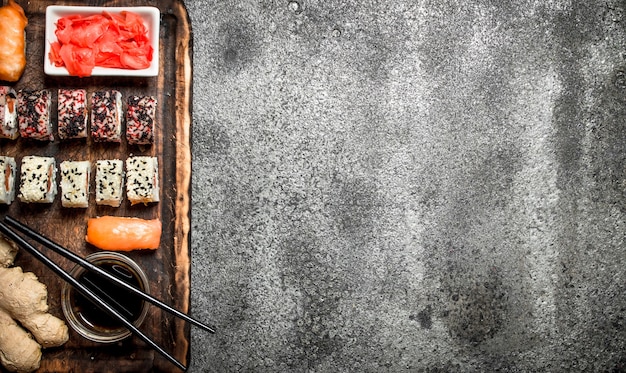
123	233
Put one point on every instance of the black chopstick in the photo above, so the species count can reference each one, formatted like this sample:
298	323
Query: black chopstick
97	270
84	291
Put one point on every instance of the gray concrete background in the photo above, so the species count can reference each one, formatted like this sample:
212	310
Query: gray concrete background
388	186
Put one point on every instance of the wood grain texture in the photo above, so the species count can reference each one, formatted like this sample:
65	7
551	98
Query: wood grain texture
168	269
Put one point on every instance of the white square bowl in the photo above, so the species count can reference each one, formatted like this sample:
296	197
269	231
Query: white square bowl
150	15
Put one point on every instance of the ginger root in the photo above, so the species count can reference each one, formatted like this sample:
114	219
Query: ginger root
8	251
19	352
24	299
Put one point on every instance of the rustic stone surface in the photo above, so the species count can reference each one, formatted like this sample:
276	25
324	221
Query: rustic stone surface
413	185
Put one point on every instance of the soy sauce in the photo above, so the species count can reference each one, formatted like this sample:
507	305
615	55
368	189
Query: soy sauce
128	304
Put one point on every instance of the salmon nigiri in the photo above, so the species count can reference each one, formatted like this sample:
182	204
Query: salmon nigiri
123	234
13	22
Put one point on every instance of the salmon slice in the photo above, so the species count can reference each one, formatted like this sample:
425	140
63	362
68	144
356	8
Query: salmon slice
123	233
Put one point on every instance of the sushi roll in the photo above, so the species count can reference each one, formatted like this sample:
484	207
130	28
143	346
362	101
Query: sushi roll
7	175
106	116
72	110
142	180
33	114
38	179
109	182
75	177
8	113
140	115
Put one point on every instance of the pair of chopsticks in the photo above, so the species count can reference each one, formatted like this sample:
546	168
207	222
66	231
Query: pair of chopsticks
6	228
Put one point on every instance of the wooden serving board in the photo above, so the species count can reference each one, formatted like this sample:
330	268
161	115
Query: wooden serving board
168	267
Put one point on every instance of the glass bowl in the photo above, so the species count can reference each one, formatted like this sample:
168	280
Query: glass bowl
91	322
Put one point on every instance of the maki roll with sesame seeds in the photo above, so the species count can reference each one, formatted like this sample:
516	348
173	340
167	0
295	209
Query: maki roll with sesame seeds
140	116
75	177
8	113
72	113
33	114
7	175
106	116
142	180
109	182
38	179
